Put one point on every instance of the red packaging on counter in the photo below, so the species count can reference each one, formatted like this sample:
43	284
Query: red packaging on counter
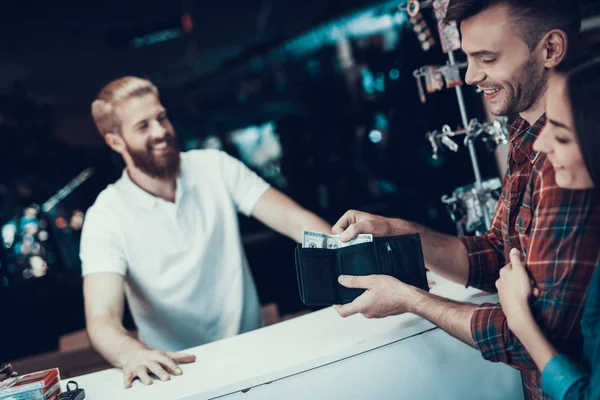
47	382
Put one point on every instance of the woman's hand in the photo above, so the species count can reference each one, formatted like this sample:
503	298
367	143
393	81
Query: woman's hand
516	290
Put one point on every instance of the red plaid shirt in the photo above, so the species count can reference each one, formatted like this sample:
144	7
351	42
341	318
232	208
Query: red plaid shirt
558	233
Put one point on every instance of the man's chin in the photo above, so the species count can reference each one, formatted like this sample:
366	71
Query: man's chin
164	174
499	110
170	171
499	106
499	113
166	170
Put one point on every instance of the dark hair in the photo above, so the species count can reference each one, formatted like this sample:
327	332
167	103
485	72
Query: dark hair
583	88
535	18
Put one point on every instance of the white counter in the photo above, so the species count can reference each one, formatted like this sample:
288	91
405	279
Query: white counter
321	355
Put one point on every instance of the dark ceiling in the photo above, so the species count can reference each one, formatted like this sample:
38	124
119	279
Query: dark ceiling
81	44
68	49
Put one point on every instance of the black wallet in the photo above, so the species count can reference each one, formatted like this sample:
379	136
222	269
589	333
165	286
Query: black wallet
318	269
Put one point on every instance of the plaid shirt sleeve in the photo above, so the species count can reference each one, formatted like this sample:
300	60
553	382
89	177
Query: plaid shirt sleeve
563	227
486	253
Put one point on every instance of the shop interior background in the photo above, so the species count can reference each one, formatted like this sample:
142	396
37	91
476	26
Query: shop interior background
318	97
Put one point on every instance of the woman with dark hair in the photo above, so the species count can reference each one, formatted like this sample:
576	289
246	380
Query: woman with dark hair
571	140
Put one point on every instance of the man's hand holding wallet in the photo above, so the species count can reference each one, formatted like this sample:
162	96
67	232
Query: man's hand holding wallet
361	266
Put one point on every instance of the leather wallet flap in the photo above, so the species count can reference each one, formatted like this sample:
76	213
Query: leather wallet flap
359	259
315	272
402	257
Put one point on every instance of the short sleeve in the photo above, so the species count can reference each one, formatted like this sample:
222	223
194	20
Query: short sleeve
244	186
101	249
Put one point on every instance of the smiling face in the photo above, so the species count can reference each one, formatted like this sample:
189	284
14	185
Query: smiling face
512	76
559	141
149	140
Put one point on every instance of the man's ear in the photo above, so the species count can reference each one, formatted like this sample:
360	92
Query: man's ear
115	142
555	46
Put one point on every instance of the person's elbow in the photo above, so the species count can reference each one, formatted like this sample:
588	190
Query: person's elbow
99	326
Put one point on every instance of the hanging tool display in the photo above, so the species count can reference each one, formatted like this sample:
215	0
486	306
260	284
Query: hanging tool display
491	134
449	35
437	78
472	206
420	26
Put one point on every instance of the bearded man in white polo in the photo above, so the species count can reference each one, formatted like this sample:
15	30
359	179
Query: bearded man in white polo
166	236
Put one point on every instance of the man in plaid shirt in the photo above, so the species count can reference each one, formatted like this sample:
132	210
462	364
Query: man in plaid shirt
512	47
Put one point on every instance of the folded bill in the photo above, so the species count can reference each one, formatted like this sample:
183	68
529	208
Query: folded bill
319	240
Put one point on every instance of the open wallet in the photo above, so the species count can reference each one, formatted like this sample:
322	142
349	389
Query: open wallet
318	269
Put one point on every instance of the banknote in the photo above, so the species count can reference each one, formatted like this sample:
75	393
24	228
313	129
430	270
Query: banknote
319	240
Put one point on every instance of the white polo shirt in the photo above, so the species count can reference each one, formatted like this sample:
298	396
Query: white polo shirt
187	278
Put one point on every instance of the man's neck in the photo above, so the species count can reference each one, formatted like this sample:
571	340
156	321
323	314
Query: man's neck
162	188
536	111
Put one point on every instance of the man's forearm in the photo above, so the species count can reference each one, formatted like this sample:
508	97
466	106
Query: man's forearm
451	316
112	341
445	255
285	216
306	220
